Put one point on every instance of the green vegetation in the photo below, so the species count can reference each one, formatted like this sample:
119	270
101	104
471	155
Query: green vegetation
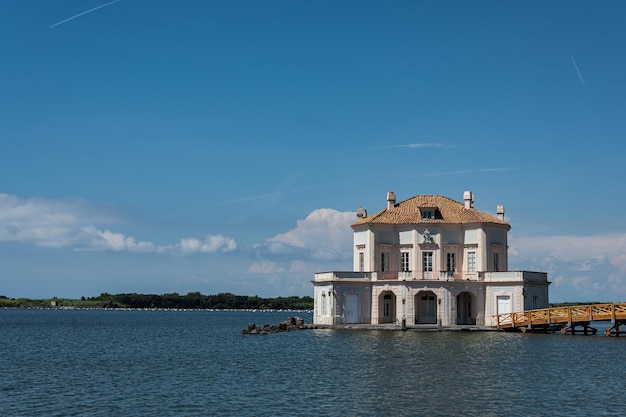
575	303
22	302
193	300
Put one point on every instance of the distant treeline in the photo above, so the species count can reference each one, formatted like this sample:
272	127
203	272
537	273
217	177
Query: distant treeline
193	300
576	303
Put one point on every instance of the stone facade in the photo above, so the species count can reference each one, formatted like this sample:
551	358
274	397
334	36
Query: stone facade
428	260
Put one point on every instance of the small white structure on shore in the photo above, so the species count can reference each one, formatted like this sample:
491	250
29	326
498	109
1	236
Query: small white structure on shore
428	260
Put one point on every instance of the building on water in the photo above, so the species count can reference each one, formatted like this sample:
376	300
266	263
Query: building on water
428	260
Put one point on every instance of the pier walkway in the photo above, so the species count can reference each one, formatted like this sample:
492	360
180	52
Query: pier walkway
569	320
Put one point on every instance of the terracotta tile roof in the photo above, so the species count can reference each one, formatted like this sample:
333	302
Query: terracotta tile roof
445	209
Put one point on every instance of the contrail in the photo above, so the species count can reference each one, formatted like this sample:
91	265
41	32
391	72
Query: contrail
413	146
83	13
578	71
466	171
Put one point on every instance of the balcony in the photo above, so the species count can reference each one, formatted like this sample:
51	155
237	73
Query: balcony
443	275
513	276
427	275
405	275
413	276
344	275
447	276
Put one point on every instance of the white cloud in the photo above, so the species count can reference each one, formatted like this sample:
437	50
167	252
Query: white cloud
71	223
308	268
211	243
581	268
325	234
42	222
106	240
576	249
322	241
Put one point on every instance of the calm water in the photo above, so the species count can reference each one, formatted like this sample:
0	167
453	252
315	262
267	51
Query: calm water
197	363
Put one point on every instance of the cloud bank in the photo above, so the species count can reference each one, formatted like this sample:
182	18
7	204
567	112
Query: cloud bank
322	241
324	235
581	268
72	223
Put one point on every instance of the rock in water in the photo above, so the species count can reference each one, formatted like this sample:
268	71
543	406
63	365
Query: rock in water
292	323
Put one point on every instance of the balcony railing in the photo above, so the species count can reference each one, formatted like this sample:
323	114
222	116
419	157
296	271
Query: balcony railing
429	275
508	276
347	275
446	275
405	275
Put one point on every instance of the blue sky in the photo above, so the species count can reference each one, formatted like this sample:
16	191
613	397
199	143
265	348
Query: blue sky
166	146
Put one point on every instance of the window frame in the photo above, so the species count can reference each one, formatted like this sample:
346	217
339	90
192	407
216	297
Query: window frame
427	261
451	262
384	261
405	261
471	261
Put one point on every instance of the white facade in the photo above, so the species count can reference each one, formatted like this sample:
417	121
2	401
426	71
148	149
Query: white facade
428	260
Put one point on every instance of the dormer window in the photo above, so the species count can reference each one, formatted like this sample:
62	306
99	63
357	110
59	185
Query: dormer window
428	213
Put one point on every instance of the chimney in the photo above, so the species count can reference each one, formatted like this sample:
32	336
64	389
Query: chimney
500	211
391	200
468	198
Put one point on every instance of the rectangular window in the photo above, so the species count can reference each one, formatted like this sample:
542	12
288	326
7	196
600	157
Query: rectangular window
324	307
535	302
427	261
404	262
471	261
427	214
450	263
496	261
361	262
384	262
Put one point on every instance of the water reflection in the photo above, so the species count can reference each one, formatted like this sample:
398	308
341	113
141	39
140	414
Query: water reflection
408	373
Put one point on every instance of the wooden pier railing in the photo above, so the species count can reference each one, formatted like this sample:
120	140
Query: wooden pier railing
566	317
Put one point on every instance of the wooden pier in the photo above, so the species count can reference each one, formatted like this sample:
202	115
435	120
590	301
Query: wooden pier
567	320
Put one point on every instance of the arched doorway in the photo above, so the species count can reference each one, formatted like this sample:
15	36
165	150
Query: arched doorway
425	307
386	307
465	308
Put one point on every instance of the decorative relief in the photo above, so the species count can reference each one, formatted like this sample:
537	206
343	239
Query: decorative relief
428	237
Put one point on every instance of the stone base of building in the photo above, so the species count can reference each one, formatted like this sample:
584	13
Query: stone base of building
392	327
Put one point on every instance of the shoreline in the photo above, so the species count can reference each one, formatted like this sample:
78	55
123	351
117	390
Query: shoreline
243	310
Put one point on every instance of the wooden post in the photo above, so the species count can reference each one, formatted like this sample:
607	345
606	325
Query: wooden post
569	314
612	313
